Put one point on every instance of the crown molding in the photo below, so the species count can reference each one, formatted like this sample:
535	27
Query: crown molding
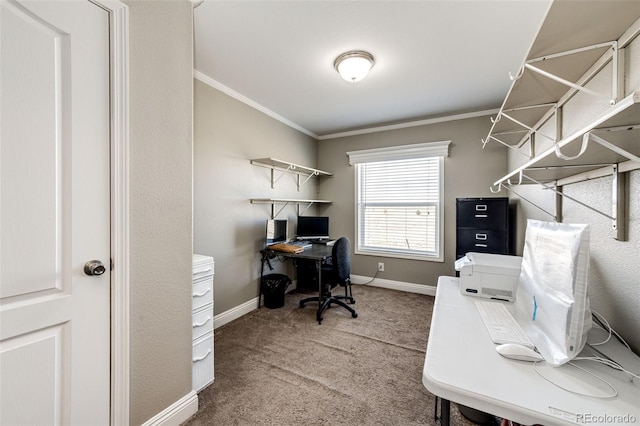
237	96
410	124
221	87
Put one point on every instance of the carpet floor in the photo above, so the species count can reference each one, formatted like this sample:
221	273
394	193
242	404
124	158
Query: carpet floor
280	367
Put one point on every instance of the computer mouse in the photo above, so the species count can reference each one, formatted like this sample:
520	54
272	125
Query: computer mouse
519	352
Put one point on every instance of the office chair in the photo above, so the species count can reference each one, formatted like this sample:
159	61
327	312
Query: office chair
339	274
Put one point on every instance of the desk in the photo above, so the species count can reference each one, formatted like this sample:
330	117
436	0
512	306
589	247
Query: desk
317	252
461	365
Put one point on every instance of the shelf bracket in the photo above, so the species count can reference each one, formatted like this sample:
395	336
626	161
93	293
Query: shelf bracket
614	57
284	167
315	173
529	128
613	147
275	214
531	202
300	213
578	87
532	145
559	203
570	198
618	205
274	180
515	148
553	106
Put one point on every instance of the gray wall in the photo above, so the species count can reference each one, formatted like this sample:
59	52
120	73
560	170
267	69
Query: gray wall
228	134
231	229
161	204
469	171
614	280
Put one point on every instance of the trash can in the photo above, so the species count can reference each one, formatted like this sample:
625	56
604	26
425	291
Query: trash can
273	287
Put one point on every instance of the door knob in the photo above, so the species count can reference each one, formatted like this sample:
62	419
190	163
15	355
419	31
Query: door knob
94	267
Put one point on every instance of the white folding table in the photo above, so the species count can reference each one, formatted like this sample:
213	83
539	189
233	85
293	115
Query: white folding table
462	366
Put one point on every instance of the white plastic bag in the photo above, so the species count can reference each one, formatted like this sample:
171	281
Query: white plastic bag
553	288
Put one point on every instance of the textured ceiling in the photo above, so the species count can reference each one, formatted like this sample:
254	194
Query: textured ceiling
433	58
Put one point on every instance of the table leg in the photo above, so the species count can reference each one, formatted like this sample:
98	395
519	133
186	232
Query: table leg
445	411
320	292
260	280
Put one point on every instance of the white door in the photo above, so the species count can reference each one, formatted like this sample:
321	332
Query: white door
54	213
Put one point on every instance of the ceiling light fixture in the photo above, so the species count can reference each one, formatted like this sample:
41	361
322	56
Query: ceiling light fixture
354	65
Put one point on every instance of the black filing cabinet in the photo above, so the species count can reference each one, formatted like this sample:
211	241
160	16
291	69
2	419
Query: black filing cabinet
484	225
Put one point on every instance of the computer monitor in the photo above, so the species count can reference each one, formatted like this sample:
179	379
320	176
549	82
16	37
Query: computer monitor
313	227
276	231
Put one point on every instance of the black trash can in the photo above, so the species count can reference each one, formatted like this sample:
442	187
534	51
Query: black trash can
273	287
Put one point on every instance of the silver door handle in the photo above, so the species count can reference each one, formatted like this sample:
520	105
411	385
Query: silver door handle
94	267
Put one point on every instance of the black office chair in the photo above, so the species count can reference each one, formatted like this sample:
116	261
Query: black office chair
338	274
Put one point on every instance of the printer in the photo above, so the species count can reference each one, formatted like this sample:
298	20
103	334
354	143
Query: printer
493	276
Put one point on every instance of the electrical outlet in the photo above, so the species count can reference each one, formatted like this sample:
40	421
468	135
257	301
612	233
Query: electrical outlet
380	267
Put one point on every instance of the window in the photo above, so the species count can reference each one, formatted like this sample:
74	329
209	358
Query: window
399	201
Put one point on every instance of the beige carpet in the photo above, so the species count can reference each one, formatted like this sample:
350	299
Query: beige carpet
279	367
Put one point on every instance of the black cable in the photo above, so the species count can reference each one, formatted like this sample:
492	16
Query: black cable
374	277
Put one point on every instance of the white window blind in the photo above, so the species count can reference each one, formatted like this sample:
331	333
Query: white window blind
399	203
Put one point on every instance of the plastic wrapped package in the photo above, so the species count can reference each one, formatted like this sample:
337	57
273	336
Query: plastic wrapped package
553	288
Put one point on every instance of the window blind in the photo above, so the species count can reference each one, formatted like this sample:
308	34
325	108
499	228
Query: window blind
398	207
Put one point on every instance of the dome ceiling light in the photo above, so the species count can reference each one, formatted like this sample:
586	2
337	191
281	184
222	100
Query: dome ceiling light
353	66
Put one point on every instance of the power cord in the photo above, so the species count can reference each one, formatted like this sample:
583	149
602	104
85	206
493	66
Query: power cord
609	363
613	394
602	322
372	279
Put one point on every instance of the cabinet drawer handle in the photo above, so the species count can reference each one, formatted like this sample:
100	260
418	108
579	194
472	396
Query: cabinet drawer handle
202	271
481	245
202	294
200	324
481	207
203	356
481	236
482	215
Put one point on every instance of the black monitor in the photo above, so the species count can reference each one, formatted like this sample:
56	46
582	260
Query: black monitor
276	231
313	227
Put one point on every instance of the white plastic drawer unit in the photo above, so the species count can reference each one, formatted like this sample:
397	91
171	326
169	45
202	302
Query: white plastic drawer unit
202	369
202	267
202	292
202	322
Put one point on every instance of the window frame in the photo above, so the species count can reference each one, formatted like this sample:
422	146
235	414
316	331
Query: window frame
430	149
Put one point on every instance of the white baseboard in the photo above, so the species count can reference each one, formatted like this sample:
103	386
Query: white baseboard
235	313
240	310
428	290
176	413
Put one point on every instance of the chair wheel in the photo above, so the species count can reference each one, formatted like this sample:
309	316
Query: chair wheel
354	315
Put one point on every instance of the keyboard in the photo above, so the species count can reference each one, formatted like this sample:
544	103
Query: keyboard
324	241
300	243
501	325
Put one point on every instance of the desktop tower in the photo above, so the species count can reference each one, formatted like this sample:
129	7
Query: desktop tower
307	274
